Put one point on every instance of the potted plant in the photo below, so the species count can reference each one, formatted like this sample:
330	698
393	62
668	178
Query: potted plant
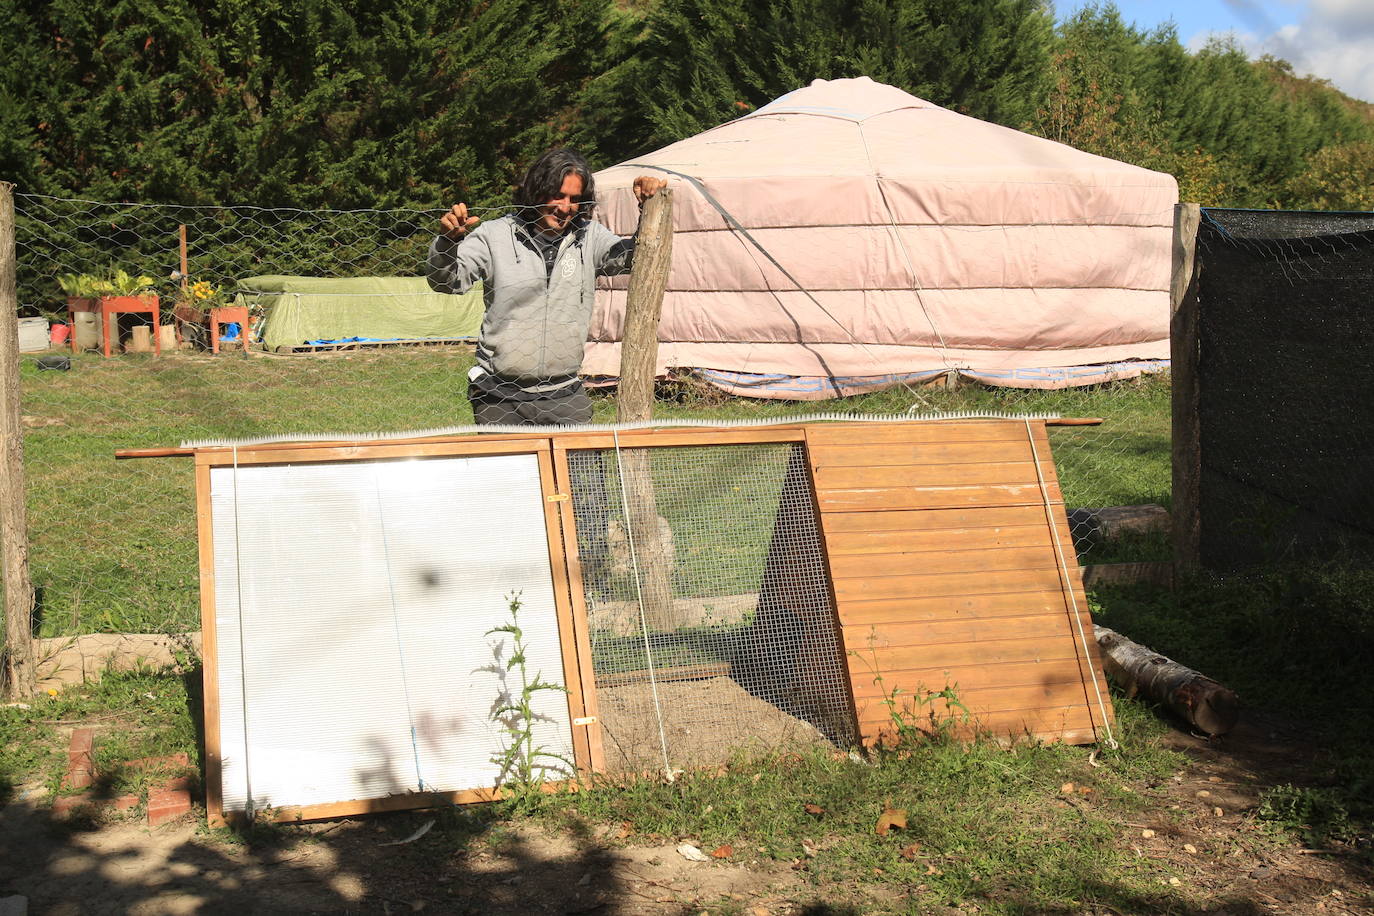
192	308
83	302
122	291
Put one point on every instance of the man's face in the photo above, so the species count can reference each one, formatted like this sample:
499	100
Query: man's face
556	214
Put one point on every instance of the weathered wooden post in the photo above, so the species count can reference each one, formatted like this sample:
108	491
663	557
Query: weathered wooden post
20	677
1183	362
651	540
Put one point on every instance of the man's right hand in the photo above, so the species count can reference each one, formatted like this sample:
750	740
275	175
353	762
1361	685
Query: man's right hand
457	223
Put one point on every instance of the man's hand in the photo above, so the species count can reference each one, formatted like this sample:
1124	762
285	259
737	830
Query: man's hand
457	223
647	186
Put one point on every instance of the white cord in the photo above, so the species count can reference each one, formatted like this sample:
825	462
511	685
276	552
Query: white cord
643	621
1067	579
243	664
396	626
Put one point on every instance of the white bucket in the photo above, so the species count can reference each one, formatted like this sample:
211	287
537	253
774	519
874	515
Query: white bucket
86	330
33	334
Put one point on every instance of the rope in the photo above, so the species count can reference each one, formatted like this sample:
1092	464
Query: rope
1067	580
396	626
639	600
243	664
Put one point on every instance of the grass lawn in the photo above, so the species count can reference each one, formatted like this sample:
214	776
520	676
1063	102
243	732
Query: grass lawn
113	543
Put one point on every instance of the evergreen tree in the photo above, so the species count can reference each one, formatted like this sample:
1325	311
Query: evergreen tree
703	62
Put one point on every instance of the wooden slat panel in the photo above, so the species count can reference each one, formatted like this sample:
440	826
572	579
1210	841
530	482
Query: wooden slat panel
884	499
911	453
980	701
927	475
947	607
935	519
1063	723
847	543
864	659
934	431
876	565
1060	671
918	586
932	634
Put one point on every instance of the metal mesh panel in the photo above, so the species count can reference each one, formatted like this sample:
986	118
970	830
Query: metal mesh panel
709	605
1287	434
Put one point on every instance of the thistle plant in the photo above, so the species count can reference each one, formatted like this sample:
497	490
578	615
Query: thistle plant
525	765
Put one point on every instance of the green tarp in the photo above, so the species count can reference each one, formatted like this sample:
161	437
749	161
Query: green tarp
298	310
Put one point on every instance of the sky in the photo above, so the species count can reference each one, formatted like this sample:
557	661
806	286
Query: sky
1331	39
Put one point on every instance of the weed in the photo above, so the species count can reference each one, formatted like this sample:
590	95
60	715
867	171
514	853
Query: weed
1319	815
524	765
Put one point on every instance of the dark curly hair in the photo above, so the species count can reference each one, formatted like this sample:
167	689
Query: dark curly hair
544	180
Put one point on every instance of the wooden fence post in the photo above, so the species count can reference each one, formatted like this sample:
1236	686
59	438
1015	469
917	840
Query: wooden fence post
651	538
19	673
1187	430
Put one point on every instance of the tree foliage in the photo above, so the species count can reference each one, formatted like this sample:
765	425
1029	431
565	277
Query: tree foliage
387	103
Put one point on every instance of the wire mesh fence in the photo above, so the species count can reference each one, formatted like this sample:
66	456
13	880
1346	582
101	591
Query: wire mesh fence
113	543
708	604
1287	434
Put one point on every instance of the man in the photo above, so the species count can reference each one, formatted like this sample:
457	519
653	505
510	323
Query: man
538	268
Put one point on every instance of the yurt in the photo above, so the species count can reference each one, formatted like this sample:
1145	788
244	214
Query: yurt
849	236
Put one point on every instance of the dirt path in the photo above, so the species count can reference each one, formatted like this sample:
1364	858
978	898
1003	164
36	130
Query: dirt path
1198	830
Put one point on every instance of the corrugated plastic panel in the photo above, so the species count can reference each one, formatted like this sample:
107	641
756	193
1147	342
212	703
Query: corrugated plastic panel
363	590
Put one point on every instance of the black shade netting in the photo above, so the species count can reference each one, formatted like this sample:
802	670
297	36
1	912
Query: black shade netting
1286	332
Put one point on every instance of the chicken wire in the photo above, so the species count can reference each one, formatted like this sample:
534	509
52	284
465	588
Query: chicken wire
708	603
113	543
1284	328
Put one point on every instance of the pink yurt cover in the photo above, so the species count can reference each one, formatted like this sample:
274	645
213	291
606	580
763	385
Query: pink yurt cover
849	235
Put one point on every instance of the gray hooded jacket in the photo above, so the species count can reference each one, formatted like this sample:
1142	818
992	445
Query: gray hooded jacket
536	318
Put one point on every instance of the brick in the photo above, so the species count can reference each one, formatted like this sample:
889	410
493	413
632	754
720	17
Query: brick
179	784
125	802
83	739
64	806
79	777
164	805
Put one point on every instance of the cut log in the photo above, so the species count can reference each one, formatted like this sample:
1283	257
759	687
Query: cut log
1196	698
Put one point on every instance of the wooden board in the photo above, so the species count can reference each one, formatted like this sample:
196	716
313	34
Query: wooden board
952	567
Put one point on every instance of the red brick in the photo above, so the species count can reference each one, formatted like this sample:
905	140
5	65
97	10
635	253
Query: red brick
79	777
164	805
65	805
180	783
125	802
83	739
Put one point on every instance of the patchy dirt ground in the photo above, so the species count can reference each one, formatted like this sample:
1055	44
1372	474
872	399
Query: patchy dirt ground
1198	831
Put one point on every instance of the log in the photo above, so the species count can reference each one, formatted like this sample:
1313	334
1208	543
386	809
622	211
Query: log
635	401
1196	698
1185	388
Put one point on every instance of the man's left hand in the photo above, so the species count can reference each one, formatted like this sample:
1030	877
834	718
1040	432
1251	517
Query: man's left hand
647	186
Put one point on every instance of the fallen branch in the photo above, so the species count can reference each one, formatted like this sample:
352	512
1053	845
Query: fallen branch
1196	698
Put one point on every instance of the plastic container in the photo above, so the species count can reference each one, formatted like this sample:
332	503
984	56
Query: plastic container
59	334
33	334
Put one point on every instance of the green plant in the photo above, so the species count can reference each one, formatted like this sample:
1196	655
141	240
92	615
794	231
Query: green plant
79	286
123	283
525	765
923	716
201	296
1319	815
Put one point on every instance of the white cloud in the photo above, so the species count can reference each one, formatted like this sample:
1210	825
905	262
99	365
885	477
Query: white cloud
1332	39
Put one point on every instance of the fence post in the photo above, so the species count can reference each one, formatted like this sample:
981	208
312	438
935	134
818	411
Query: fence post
653	546
1183	361
643	307
19	674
